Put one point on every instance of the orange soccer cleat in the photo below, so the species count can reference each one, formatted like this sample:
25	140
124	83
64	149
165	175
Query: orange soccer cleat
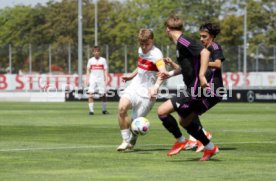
209	153
191	145
177	147
209	135
200	146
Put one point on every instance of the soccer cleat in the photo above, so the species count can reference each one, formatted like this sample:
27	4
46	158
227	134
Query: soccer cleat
191	145
209	135
105	112
209	153
124	146
91	113
177	147
133	139
200	147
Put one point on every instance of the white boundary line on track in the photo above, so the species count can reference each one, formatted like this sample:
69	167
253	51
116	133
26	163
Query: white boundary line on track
114	146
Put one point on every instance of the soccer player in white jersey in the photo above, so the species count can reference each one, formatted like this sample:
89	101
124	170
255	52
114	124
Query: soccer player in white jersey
96	79
141	93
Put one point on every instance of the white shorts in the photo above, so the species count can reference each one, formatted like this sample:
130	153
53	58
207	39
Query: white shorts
98	87
141	106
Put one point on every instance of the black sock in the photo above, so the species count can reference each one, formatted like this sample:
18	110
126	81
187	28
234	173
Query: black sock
197	120
196	131
171	125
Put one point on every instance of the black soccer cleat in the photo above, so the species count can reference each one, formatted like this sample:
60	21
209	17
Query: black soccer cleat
105	112
91	113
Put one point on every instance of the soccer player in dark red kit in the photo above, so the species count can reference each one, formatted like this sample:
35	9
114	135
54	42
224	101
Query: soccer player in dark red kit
198	97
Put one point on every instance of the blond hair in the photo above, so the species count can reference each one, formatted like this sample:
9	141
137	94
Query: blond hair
174	23
145	35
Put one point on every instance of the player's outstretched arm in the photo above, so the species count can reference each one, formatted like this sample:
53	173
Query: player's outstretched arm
175	66
170	62
130	76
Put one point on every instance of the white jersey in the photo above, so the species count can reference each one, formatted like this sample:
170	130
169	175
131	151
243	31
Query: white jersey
97	68
146	76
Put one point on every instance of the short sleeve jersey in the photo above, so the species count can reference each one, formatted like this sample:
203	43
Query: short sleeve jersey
188	57
216	53
97	67
146	64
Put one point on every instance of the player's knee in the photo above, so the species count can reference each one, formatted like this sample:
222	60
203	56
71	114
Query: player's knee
122	110
161	112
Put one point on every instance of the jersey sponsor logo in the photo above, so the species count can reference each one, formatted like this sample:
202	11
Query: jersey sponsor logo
97	67
146	65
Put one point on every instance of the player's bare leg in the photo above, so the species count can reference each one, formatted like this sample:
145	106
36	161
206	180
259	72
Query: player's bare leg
124	123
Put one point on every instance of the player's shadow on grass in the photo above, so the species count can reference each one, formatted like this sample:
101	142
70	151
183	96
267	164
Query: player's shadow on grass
195	160
227	148
220	148
149	150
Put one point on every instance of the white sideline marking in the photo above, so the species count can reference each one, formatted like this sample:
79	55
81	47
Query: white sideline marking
114	146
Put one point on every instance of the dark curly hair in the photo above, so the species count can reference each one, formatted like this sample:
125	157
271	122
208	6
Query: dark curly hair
211	28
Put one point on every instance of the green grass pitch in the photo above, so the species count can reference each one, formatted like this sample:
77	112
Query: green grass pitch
61	142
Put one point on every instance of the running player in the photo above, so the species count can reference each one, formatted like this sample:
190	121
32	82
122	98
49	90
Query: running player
96	79
208	33
138	96
192	142
198	98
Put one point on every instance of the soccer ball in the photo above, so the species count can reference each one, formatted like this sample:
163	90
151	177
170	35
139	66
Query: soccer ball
140	126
